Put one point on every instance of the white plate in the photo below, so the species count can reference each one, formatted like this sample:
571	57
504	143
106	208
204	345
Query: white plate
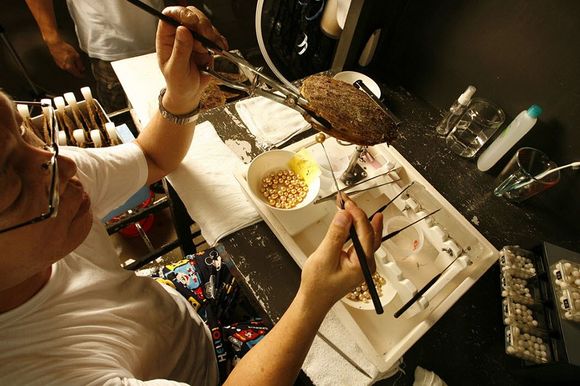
353	76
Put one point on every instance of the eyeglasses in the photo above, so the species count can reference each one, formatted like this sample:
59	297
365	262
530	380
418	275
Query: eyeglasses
51	145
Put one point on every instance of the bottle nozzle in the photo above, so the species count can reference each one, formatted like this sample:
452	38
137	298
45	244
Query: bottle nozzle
466	96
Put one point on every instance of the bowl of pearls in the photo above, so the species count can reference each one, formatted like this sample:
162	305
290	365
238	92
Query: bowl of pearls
284	180
360	298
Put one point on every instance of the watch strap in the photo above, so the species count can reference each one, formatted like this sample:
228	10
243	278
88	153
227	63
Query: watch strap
182	119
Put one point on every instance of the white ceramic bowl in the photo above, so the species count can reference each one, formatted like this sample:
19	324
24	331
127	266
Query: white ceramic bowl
353	76
388	293
271	161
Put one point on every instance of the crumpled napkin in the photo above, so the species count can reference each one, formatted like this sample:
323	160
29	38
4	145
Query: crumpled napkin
205	183
270	122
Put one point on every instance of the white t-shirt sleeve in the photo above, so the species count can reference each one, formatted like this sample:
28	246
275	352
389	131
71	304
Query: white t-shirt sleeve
110	175
136	382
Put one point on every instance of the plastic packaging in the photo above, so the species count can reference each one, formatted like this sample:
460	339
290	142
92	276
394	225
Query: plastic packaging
566	283
517	262
455	112
508	138
531	347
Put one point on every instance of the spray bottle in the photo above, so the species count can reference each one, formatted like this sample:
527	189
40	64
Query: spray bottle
455	112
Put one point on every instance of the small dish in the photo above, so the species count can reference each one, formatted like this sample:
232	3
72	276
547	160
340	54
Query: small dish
269	162
408	242
353	76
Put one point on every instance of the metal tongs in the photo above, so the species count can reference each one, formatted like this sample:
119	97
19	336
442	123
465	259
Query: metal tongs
258	83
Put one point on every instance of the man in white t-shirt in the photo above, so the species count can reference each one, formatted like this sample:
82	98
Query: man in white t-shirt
107	30
69	315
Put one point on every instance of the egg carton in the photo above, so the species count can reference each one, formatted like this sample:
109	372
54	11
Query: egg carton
451	246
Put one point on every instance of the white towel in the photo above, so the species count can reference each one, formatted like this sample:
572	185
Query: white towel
205	183
270	122
326	367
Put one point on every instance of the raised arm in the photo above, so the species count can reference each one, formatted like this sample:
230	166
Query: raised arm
329	273
65	56
164	142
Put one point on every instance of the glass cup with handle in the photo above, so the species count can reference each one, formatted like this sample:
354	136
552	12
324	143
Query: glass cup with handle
526	175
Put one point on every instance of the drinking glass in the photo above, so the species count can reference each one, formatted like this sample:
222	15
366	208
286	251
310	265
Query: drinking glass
479	122
522	177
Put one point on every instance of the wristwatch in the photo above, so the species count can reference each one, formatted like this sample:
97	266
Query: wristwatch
182	119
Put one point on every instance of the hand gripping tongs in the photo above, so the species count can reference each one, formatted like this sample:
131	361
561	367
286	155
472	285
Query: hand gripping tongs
258	83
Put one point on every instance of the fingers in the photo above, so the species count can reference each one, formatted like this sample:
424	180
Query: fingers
377	225
74	65
363	228
369	233
181	52
194	19
337	234
75	68
67	58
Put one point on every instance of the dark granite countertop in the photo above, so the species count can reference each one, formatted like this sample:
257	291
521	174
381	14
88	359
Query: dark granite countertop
466	346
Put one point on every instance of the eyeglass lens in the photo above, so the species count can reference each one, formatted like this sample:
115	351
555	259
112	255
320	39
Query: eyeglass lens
50	139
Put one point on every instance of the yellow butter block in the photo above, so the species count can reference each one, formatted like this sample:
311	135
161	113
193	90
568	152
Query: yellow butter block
304	165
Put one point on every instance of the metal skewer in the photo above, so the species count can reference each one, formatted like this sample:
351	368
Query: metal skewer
391	200
415	297
203	40
320	138
332	195
388	203
394	233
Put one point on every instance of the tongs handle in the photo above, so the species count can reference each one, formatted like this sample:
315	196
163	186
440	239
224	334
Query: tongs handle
360	84
215	49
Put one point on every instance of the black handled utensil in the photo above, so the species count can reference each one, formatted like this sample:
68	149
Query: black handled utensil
391	200
411	301
203	40
389	203
360	84
394	233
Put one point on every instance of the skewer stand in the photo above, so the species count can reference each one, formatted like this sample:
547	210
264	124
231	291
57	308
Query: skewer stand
354	173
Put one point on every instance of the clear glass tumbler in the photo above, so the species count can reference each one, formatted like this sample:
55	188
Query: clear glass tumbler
479	122
526	175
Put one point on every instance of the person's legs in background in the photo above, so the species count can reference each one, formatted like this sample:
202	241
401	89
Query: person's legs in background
109	91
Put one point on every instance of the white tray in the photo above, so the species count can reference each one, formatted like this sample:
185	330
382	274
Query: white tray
447	235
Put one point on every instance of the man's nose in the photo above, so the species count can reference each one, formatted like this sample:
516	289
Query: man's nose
66	168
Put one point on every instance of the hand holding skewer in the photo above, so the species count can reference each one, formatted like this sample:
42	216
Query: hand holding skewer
362	256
